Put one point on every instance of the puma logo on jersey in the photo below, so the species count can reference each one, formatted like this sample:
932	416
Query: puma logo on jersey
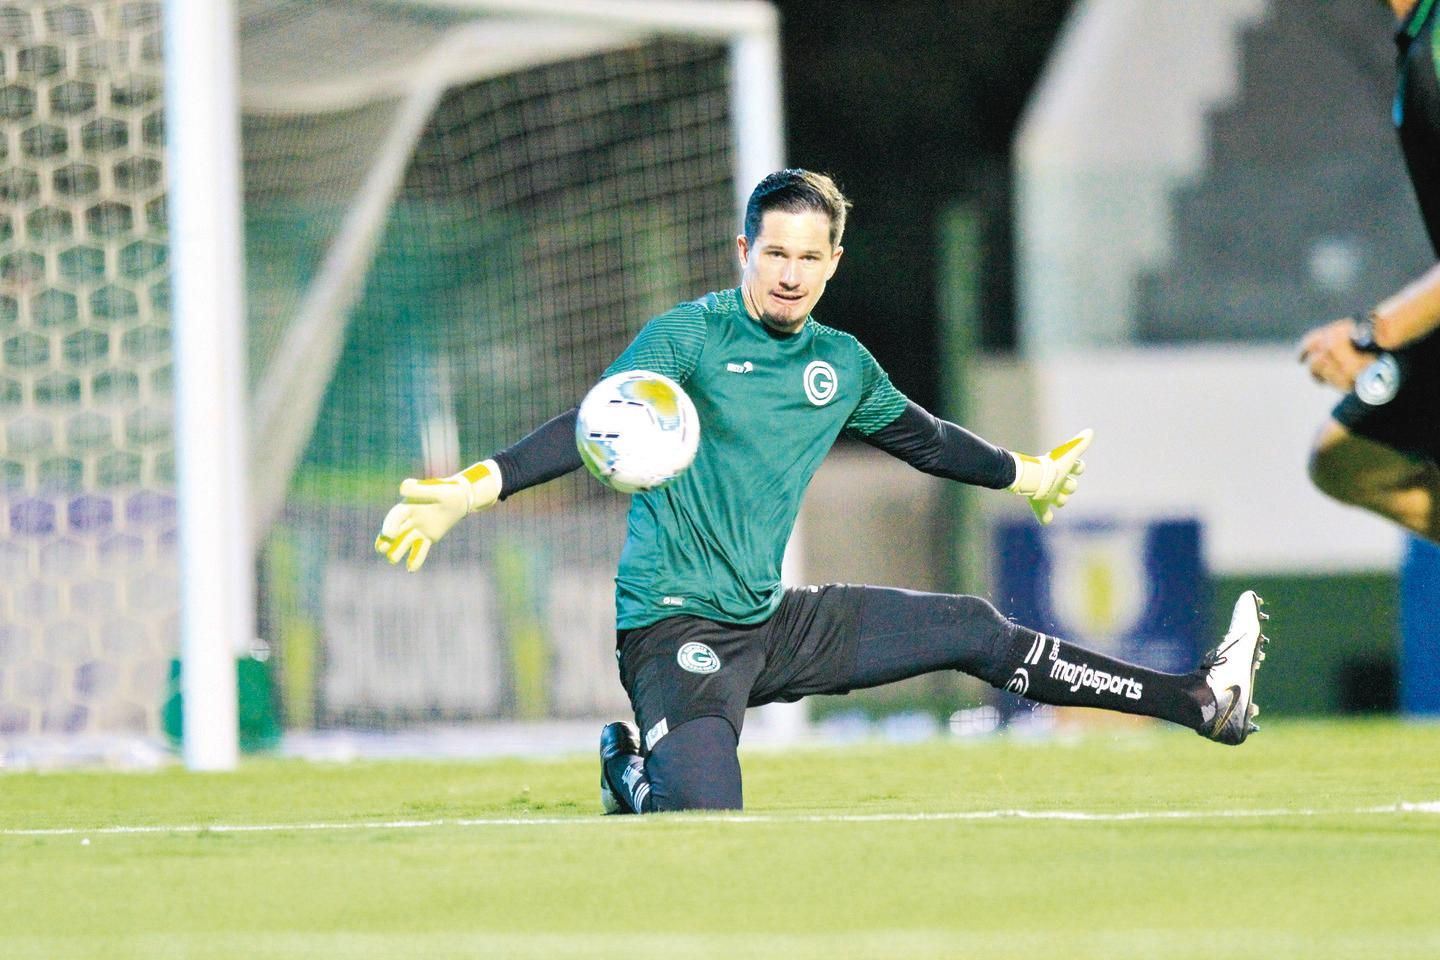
745	367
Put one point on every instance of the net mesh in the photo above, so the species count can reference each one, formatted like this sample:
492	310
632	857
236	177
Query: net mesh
453	222
87	522
543	213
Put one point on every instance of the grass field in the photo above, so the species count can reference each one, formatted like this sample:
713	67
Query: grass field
1314	840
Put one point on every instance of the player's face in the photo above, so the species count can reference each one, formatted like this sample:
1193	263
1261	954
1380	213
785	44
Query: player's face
784	272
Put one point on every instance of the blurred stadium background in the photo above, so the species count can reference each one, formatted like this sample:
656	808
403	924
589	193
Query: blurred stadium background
1055	227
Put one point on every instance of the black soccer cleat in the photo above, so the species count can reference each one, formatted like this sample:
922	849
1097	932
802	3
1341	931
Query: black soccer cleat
620	758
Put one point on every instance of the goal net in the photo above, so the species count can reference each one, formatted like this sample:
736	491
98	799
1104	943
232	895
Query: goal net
456	214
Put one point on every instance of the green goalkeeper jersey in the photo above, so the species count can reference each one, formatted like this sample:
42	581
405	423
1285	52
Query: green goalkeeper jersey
771	405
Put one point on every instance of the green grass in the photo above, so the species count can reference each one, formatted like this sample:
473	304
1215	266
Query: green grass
1309	877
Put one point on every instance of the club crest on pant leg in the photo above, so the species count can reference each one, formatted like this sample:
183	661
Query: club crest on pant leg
697	658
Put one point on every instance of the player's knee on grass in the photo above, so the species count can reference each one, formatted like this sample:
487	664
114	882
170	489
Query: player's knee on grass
695	767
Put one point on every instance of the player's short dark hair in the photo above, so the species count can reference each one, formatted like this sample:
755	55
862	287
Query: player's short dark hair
796	191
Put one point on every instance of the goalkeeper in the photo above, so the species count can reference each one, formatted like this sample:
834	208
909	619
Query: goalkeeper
704	628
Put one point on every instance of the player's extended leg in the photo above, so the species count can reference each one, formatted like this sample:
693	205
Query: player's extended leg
693	767
903	633
1374	477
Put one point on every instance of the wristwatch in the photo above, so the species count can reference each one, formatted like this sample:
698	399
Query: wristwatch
1362	335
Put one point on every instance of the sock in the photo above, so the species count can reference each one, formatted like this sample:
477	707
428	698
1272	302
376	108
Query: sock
626	774
1049	670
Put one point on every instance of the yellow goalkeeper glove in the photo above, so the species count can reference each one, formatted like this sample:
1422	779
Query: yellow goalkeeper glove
431	507
1049	480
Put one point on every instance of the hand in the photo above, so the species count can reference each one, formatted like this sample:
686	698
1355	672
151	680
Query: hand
1331	356
1049	480
431	507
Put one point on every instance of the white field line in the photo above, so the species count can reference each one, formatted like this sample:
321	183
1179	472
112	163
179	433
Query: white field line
1389	809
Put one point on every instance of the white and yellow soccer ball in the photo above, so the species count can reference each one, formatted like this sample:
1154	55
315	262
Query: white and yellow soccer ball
637	431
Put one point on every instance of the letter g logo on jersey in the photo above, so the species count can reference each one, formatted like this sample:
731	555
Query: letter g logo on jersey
697	658
820	382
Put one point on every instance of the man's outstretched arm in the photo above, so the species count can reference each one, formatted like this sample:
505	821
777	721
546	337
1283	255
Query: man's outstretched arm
430	508
545	454
944	449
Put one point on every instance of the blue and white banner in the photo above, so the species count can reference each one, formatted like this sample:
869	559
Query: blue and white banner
1420	629
1132	589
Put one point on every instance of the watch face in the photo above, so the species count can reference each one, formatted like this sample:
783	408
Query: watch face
1379	382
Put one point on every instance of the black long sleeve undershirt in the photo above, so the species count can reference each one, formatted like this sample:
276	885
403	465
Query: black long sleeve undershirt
546	453
943	449
921	439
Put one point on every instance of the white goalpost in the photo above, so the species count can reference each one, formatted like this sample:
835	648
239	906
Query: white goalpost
217	595
438	196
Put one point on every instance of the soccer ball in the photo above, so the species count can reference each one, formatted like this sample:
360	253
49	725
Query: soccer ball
637	431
